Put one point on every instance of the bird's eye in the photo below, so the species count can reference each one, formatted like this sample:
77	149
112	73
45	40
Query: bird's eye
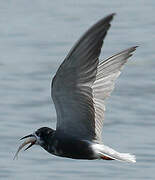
38	133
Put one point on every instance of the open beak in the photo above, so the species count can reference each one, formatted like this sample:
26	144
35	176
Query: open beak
30	139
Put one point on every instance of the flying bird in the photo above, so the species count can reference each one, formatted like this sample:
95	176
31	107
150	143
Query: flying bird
79	90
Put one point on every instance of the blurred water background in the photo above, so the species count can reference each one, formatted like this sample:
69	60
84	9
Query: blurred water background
35	36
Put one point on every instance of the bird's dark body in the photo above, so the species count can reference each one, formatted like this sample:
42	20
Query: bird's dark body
64	145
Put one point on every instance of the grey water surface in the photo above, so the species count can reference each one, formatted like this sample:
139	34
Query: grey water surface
35	37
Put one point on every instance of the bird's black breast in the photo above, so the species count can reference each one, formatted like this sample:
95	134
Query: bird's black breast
70	147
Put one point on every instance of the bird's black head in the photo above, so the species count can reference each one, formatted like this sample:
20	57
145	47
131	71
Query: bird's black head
43	136
40	137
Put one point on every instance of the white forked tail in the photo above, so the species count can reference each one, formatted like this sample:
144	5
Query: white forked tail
105	151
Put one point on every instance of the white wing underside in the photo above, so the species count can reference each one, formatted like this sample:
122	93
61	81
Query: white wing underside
107	73
81	84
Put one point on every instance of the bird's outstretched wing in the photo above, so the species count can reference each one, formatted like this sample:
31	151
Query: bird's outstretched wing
72	84
75	87
107	72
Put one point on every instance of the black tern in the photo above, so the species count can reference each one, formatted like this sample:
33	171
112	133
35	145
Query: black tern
79	90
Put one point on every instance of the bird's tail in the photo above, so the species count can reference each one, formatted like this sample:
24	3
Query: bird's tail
107	153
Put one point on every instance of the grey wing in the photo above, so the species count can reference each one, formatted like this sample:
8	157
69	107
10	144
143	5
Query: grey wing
107	72
72	84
